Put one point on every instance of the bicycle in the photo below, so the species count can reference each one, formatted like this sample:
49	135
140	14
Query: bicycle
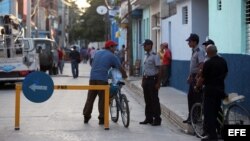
232	113
119	102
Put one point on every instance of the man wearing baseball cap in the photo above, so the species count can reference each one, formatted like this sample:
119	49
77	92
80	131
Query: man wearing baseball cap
196	62
208	42
103	60
151	82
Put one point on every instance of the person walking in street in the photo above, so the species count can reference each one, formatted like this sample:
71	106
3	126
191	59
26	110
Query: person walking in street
61	60
74	57
166	65
92	54
103	61
212	77
84	54
122	53
151	82
196	62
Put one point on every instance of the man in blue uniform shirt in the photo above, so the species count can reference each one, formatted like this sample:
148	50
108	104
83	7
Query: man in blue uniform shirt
151	83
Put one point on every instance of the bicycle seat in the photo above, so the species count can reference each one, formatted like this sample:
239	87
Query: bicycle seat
233	97
120	83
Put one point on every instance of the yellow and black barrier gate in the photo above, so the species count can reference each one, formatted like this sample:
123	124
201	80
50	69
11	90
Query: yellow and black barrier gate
67	87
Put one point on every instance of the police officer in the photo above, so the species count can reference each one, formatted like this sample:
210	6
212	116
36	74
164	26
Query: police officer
74	56
151	83
196	62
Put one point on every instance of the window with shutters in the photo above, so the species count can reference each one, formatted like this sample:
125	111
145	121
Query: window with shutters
248	26
185	15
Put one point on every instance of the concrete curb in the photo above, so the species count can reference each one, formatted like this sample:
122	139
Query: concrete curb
166	112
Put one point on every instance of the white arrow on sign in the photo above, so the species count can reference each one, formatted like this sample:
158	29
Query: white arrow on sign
35	87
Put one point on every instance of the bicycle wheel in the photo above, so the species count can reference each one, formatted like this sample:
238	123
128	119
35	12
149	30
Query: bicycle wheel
125	114
197	119
237	115
114	111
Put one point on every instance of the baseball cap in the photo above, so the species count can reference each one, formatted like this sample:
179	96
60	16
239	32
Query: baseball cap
193	37
208	42
110	43
147	42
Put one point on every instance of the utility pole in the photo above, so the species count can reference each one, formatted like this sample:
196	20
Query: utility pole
107	24
129	39
14	8
63	25
28	19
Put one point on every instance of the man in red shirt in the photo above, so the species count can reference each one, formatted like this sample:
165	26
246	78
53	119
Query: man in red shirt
166	65
61	60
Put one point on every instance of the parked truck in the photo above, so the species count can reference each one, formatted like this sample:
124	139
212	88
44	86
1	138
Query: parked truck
18	55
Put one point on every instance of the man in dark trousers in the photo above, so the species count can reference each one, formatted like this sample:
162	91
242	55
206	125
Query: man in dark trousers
196	62
151	83
212	77
74	57
104	60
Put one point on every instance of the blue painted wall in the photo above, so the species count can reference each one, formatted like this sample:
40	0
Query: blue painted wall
114	28
238	79
5	7
179	74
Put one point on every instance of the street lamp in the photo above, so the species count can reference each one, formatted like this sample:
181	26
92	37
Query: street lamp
103	10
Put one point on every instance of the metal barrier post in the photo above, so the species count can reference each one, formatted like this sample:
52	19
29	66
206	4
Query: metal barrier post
68	87
17	106
106	108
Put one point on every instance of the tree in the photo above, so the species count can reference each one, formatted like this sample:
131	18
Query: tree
90	25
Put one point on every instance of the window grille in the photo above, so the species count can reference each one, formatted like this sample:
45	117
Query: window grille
248	25
219	5
185	15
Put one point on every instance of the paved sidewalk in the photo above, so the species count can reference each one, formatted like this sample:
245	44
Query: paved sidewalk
173	102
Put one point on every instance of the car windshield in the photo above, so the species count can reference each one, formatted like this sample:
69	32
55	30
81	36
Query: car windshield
43	45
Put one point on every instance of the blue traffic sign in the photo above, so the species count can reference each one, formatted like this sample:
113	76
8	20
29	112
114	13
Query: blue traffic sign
38	87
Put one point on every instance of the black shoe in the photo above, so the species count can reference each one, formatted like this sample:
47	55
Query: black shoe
187	121
156	123
101	122
86	119
146	121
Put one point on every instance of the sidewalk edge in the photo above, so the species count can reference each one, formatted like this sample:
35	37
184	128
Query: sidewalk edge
166	112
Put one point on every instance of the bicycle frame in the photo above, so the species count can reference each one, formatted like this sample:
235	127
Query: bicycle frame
118	98
197	117
121	104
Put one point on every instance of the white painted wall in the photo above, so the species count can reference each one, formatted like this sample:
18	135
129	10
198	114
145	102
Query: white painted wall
197	23
155	34
200	18
179	33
